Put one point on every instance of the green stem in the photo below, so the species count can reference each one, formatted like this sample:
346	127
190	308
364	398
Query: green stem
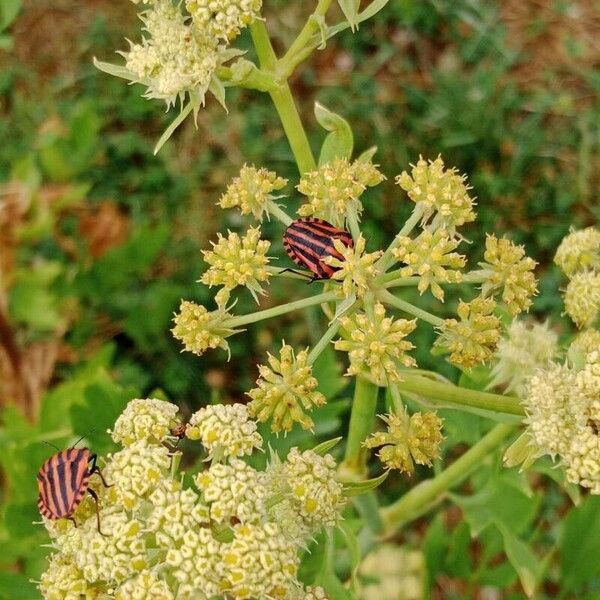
353	224
278	213
324	341
387	259
280	310
283	101
427	494
296	53
362	421
396	279
411	309
459	396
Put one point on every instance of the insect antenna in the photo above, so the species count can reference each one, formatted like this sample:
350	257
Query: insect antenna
84	435
51	445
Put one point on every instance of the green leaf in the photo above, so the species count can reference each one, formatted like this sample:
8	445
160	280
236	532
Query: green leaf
350	10
372	10
340	142
177	121
354	488
354	550
367	155
327	577
525	562
9	9
580	545
324	447
115	70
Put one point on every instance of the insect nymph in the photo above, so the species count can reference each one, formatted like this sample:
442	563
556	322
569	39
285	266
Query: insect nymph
63	480
309	240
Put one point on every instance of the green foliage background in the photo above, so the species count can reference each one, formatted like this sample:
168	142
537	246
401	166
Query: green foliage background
507	92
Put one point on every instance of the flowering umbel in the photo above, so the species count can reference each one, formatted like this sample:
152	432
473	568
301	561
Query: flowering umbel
221	538
579	251
285	390
409	439
582	298
223	19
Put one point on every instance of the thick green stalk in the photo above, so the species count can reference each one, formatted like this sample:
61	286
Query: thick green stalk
283	101
278	213
453	394
276	311
427	494
362	421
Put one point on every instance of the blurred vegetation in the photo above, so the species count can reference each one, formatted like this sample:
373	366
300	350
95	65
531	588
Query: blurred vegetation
99	239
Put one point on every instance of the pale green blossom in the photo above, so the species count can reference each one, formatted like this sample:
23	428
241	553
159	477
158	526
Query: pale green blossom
579	251
223	19
582	298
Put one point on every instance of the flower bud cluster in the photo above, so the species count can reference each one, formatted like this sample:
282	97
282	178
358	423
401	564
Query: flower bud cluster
335	188
375	344
222	538
472	338
236	260
223	19
579	251
285	389
409	439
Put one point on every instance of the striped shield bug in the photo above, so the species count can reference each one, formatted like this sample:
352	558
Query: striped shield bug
309	240
62	482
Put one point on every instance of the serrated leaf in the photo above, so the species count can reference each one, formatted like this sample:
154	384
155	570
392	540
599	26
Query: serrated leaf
354	488
340	142
324	447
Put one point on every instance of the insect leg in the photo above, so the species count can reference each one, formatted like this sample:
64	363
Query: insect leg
290	270
96	469
95	497
72	519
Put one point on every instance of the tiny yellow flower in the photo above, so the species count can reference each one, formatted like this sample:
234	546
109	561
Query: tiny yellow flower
409	439
431	256
356	270
579	251
442	193
335	188
582	298
472	338
285	390
252	190
198	329
223	19
236	260
508	269
145	585
63	579
376	346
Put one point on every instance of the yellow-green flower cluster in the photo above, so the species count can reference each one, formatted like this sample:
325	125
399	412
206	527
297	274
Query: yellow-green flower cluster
409	439
441	193
223	19
579	251
335	188
582	298
563	417
431	256
356	270
236	260
471	339
285	389
160	539
174	58
224	430
199	329
375	344
585	342
252	190
145	419
508	270
526	348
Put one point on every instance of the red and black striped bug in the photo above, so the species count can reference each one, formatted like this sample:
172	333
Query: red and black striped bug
62	482
309	240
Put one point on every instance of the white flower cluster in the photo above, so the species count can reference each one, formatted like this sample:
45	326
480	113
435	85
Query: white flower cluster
224	538
563	408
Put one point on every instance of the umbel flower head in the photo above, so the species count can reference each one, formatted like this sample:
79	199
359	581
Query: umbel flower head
285	390
409	439
472	339
442	193
579	251
375	344
252	190
509	270
174	59
582	298
198	329
585	342
236	260
224	430
223	19
431	256
357	269
335	188
219	539
526	348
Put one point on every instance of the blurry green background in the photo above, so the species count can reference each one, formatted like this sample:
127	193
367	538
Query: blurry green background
99	239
